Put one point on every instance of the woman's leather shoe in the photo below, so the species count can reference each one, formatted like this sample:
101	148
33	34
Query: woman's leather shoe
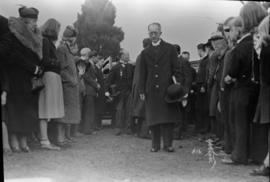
262	171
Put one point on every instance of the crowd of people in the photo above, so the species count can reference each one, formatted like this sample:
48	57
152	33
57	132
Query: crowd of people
55	94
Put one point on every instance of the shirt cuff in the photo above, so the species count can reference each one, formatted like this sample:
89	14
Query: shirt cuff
36	70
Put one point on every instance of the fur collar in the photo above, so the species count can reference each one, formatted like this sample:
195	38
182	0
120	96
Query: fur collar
29	39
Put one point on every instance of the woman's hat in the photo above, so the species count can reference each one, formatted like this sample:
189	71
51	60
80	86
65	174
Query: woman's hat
69	32
175	93
25	12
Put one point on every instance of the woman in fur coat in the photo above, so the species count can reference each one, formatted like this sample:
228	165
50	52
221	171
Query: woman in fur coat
23	45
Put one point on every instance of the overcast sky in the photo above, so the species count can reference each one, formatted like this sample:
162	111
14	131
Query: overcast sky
184	22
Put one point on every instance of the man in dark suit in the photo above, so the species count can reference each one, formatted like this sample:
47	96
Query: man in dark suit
158	65
244	69
121	76
100	100
185	68
202	98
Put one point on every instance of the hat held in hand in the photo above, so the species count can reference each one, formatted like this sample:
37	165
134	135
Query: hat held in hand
175	93
69	32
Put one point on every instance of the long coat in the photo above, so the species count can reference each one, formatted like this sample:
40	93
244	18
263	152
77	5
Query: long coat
213	83
262	114
202	99
22	104
70	82
158	65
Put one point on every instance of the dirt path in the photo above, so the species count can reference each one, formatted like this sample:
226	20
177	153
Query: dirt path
107	158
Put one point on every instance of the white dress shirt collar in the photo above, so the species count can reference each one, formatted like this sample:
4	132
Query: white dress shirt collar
243	37
157	43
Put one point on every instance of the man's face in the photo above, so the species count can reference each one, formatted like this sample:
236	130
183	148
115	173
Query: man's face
96	59
201	53
234	33
218	44
154	33
124	57
186	56
85	56
74	48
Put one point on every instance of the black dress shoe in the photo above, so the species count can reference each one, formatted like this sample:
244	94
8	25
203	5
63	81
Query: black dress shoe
25	149
15	149
262	171
169	149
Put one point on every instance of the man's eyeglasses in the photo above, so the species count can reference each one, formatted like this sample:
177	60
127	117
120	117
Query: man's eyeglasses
153	33
226	29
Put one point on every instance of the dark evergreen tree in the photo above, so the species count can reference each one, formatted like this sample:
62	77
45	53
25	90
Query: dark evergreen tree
96	30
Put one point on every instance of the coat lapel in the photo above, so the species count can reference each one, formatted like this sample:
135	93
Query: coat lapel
161	51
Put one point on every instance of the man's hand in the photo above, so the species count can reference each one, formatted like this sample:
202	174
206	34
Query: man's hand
202	90
184	103
142	96
228	79
81	70
98	86
107	94
218	107
3	98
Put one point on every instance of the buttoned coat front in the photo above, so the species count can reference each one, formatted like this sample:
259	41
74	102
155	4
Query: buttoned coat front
158	65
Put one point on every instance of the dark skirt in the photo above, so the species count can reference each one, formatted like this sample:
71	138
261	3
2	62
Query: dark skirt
22	111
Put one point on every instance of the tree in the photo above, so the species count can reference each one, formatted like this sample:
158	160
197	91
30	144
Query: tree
96	30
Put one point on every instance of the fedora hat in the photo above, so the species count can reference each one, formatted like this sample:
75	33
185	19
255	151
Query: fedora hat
216	36
175	93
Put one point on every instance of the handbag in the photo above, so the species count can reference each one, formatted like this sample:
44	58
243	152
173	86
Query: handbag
37	84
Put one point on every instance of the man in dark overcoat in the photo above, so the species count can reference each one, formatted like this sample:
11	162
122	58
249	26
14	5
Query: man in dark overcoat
202	97
158	66
100	100
245	70
121	76
220	45
185	68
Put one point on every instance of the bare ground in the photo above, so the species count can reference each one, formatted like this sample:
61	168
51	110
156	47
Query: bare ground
107	158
